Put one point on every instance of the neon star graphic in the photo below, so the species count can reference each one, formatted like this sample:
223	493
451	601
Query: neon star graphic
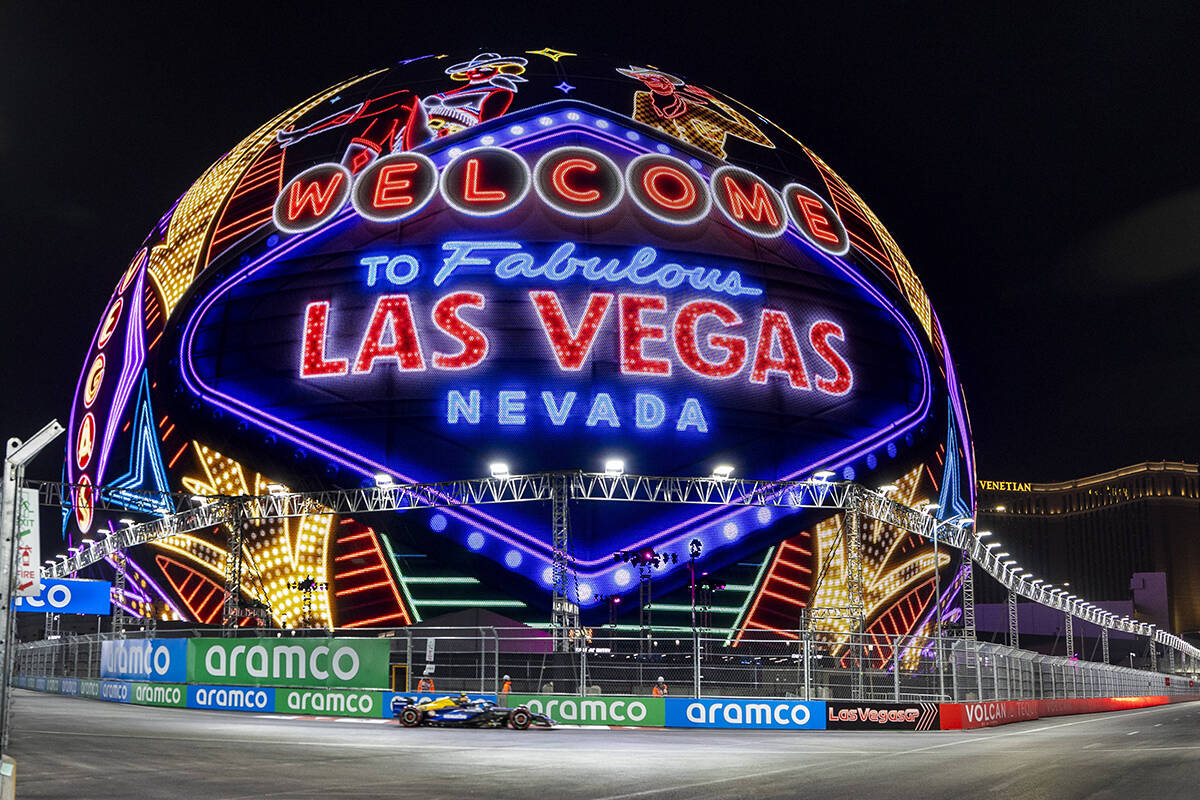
565	87
551	53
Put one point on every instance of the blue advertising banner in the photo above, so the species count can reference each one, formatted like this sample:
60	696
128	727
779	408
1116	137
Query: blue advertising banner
62	596
745	713
231	698
157	660
114	691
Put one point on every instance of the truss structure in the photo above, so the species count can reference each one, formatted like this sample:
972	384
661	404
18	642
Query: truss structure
184	513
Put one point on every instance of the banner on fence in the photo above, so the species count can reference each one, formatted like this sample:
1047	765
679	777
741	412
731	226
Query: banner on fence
324	663
64	596
873	715
741	713
636	711
157	660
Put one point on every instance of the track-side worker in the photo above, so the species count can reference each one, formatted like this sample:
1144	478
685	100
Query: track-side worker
425	685
660	688
506	688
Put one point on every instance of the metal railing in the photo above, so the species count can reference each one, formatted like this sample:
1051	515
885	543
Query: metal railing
790	664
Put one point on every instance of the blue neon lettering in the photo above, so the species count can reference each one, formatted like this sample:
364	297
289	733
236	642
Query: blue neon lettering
372	263
691	416
412	267
514	265
460	256
642	258
603	410
512	407
560	256
558	413
457	406
649	410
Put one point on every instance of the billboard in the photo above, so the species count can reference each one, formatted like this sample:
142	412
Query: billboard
535	257
328	663
159	660
748	713
67	596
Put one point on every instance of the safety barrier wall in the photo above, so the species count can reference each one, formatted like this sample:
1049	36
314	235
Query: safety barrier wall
658	712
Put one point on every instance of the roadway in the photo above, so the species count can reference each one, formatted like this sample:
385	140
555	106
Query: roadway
74	748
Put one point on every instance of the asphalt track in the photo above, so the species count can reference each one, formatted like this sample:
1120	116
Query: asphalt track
74	748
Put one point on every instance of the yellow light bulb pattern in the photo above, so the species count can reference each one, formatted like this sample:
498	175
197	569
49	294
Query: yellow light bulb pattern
276	552
887	573
175	263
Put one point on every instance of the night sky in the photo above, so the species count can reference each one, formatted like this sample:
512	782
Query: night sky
1042	173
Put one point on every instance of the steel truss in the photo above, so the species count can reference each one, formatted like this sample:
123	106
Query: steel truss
833	496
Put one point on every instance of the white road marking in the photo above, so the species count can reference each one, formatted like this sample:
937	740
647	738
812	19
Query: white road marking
1131	733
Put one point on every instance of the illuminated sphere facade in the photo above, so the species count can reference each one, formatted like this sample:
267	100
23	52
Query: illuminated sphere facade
534	258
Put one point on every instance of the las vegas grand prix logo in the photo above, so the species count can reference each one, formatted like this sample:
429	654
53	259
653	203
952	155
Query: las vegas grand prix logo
716	336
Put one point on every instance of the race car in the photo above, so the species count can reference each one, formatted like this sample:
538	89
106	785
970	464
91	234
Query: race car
463	712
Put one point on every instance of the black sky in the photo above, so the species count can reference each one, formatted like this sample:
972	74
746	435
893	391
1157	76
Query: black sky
1039	166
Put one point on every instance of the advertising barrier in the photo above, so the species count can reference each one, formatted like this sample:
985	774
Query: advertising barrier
173	695
115	691
955	716
636	711
735	713
873	715
157	660
231	698
322	663
337	702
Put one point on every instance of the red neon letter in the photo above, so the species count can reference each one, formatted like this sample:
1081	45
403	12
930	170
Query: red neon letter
650	181
819	336
474	343
558	177
634	333
689	351
389	191
570	349
759	207
312	195
313	363
789	363
392	316
817	222
471	191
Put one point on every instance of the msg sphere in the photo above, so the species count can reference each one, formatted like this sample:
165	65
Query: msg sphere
534	258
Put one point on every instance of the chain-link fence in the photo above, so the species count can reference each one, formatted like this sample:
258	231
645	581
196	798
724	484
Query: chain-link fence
785	664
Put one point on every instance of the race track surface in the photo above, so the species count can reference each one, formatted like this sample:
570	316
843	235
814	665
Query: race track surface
74	748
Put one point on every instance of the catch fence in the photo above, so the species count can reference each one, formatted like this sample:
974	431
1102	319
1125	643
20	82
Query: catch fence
809	665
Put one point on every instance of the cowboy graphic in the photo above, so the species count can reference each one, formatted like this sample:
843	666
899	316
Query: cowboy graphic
491	82
689	112
401	120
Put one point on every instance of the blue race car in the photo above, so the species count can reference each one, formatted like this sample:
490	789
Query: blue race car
463	712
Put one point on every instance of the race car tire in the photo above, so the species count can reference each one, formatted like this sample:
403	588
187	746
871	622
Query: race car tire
520	719
410	717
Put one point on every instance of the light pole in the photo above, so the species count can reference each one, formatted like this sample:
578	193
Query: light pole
695	546
17	455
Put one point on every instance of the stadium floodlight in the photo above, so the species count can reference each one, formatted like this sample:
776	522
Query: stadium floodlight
823	474
126	521
888	488
48	561
721	472
614	467
994	545
1010	562
383	480
981	534
276	488
60	555
499	470
1001	508
1039	580
1002	555
88	542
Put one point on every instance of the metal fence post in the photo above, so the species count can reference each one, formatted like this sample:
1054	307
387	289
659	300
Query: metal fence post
896	668
954	671
807	665
407	659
